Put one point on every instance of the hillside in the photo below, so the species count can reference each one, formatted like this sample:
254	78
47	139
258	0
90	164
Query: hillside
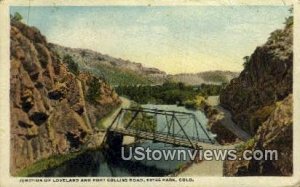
113	70
208	77
124	72
50	112
260	101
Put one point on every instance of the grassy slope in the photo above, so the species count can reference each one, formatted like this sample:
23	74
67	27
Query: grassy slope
44	164
115	76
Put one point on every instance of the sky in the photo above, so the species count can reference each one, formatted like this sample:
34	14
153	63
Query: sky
175	39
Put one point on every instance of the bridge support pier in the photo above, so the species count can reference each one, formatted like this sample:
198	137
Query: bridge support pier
114	142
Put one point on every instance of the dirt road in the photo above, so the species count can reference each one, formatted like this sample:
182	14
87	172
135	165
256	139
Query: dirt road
108	120
229	124
215	167
207	167
227	120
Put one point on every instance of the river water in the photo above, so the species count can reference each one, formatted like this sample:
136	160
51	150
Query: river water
101	163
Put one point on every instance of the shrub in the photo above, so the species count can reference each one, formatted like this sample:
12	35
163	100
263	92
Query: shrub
247	145
72	66
289	21
17	17
93	91
246	61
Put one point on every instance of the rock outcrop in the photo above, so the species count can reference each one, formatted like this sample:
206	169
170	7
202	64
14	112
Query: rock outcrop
49	111
267	78
260	100
276	133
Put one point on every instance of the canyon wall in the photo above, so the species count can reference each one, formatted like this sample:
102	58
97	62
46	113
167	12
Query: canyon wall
261	103
50	114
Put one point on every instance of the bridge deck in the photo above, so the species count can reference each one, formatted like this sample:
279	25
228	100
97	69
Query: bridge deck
162	137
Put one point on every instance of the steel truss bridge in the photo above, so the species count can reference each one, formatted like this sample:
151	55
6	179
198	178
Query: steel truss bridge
182	129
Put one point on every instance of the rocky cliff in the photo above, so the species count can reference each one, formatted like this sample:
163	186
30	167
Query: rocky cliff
276	133
266	79
50	114
260	100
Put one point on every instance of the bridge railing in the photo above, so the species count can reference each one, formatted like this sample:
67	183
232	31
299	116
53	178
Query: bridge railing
182	137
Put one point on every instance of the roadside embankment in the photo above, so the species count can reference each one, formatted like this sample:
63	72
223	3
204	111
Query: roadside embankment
221	124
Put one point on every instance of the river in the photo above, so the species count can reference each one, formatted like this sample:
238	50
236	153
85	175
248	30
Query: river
101	163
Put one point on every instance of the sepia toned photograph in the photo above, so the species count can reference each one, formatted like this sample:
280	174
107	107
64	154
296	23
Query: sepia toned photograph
121	93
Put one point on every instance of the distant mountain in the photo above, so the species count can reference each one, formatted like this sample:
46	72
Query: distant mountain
115	71
208	77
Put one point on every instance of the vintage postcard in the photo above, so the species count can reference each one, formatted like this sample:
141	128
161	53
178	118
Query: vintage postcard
125	93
